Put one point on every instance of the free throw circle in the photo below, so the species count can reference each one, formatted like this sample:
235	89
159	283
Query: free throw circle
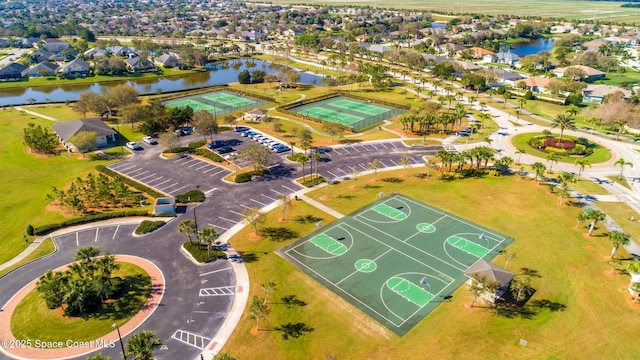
365	265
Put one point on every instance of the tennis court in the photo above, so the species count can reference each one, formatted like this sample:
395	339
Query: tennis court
396	260
352	113
217	102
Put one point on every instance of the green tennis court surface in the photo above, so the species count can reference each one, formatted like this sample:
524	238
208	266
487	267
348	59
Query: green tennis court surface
217	102
352	113
396	260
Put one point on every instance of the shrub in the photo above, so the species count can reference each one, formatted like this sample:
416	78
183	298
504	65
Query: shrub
555	150
45	229
199	252
30	230
196	144
313	182
565	144
148	226
176	150
134	184
296	157
190	196
579	149
529	95
209	155
582	141
246	176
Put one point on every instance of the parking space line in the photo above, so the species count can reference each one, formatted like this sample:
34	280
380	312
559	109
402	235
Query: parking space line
215	271
198	341
182	158
383	145
270	198
383	164
212	168
394	163
175	191
277	192
136	171
332	174
96	239
229	220
203	166
123	169
195	164
245	206
146	177
336	151
394	145
217	226
415	161
156	179
142	173
256	201
164	188
77	239
115	232
118	166
364	167
288	188
356	149
342	171
164	182
234	212
217	172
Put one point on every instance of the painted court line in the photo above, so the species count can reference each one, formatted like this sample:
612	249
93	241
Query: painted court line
359	272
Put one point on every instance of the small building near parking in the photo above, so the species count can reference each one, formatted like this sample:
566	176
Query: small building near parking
165	205
105	135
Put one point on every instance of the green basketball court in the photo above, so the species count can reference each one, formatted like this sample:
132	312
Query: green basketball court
396	260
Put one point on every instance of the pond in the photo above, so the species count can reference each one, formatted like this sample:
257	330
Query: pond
532	47
222	73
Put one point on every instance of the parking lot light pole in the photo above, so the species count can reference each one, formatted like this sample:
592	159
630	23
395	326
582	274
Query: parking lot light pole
124	354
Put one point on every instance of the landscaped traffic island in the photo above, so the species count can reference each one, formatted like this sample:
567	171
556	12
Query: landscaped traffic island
73	310
565	148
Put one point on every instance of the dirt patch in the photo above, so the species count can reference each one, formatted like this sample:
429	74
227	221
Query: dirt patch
610	274
253	237
587	236
255	332
590	247
353	187
324	198
606	258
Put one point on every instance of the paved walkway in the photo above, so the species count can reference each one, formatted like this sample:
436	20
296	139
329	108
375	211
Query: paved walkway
20	108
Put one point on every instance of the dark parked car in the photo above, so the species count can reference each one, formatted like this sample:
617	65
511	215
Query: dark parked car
225	150
240	128
217	144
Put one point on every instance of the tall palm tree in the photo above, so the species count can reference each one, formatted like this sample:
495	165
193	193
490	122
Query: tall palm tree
617	238
622	163
563	121
208	235
187	227
85	254
141	345
538	170
315	157
581	163
594	216
552	158
519	152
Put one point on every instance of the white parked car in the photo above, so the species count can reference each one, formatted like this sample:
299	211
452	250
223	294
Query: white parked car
134	145
149	140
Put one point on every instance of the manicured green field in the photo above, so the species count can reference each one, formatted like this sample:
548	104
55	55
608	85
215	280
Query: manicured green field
600	153
45	248
27	179
570	9
574	297
60	112
33	320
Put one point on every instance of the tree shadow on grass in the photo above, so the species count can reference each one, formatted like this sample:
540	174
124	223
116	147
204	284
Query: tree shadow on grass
248	256
279	234
133	297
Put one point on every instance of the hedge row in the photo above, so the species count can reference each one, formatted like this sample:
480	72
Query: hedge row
209	155
200	253
190	196
134	184
148	226
196	144
245	177
45	229
177	150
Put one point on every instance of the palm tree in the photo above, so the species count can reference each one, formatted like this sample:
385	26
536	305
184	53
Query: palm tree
302	159
404	161
563	121
187	227
375	165
564	192
99	356
488	140
552	158
86	253
620	124
567	178
208	235
267	288
617	238
141	345
594	216
538	170
519	152
316	157
622	163
581	163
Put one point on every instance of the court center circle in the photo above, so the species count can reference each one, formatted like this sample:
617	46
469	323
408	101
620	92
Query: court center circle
426	228
366	265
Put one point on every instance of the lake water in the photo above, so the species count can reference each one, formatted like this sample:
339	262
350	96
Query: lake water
533	47
224	73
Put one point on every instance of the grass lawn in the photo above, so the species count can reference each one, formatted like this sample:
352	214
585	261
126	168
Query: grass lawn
630	76
600	154
33	320
28	179
45	248
571	266
61	112
621	181
622	214
588	187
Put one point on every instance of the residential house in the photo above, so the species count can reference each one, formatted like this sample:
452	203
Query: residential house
28	42
120	51
494	273
4	43
95	54
507	58
536	84
505	78
593	44
55	45
12	72
449	48
561	29
75	68
139	65
596	93
105	135
591	73
434	59
468	66
44	68
167	60
41	55
480	53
